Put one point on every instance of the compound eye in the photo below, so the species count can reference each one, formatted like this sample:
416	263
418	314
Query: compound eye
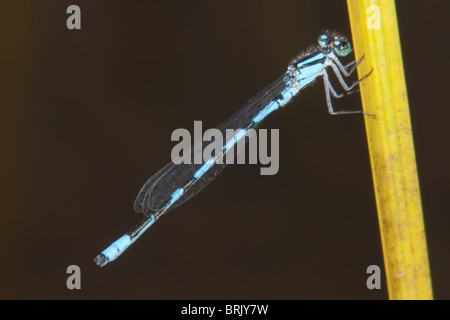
342	48
323	40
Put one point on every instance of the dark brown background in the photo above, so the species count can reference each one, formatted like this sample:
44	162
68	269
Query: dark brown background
87	118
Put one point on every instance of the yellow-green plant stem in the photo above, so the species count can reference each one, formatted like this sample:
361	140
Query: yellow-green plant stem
389	135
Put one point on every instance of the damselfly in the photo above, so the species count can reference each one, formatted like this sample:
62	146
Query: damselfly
175	184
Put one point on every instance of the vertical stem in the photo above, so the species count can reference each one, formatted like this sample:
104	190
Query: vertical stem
375	34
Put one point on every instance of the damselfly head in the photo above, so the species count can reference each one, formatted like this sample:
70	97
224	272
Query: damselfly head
333	41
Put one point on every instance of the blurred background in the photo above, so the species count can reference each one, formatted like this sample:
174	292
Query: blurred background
88	115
